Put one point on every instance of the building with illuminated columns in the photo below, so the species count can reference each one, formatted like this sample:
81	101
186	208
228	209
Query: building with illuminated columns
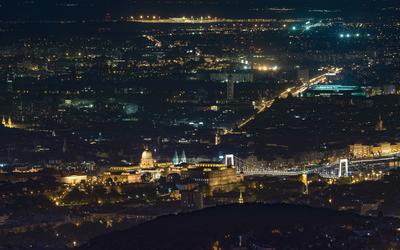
211	174
133	173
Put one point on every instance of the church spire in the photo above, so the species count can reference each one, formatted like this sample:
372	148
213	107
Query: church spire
9	122
175	159
3	121
183	157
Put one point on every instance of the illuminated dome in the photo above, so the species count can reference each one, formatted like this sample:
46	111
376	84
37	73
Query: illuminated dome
147	155
147	159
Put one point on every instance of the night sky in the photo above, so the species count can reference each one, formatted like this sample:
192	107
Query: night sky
90	9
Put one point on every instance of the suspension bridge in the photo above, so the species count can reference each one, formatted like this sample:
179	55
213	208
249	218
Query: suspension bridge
341	168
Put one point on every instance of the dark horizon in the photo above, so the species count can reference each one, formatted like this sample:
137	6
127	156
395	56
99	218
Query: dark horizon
91	9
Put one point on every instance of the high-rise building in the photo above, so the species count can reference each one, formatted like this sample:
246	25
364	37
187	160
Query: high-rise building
10	84
64	148
379	125
303	75
217	139
230	89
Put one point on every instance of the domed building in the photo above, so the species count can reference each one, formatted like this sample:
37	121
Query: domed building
213	174
147	160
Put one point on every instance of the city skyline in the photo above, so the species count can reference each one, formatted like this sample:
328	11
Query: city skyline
197	124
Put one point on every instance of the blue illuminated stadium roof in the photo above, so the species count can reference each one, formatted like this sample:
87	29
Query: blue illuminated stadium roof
334	87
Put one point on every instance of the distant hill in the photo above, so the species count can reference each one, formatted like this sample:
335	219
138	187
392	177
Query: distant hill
280	226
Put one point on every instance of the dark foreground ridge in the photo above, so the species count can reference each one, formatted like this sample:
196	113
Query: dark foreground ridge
279	226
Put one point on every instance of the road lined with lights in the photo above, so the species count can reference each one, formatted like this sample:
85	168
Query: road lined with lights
205	20
157	43
266	104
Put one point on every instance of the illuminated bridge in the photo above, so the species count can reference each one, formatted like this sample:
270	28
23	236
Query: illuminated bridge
341	168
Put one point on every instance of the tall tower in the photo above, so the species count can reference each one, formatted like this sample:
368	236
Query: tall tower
64	147
3	122
379	124
217	139
230	89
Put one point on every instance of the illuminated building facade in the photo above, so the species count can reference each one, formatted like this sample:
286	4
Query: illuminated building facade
73	179
368	151
122	177
26	170
133	173
208	173
211	174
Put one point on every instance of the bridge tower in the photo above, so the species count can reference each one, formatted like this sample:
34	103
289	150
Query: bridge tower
230	160
343	163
